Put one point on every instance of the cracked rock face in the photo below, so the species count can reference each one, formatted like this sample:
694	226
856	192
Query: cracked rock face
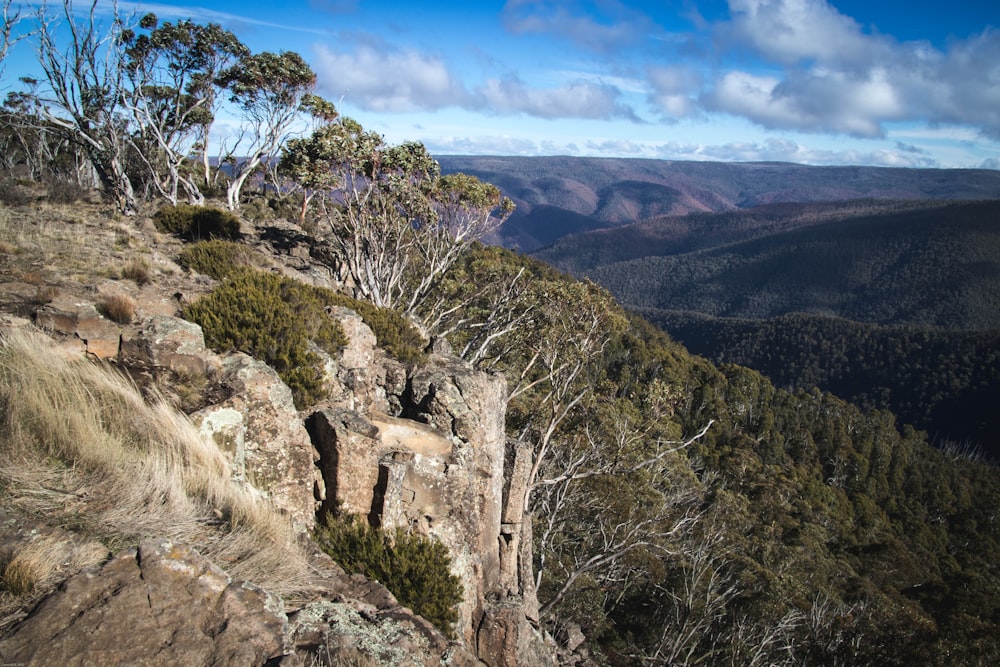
160	604
261	433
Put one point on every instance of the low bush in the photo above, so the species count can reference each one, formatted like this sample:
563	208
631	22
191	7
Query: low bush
65	191
218	258
272	319
197	222
12	194
416	569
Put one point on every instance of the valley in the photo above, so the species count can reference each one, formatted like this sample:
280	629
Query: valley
879	285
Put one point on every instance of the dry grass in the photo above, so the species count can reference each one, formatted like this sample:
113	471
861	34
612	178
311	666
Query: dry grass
137	270
41	563
80	447
46	294
118	308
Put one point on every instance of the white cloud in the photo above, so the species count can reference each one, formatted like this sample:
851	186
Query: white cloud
817	101
786	150
382	80
581	99
482	145
791	31
602	26
674	90
379	78
828	75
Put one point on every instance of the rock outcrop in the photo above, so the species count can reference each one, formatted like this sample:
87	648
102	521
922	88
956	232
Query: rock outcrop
422	448
259	429
160	604
441	476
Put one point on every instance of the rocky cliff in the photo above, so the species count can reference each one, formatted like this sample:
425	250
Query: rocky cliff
418	447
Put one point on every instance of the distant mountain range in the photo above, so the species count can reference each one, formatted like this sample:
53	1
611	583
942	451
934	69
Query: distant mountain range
557	196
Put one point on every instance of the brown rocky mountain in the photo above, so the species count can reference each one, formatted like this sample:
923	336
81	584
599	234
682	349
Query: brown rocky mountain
557	196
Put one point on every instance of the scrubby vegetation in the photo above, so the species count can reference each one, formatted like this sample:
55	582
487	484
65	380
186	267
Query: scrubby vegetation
118	308
687	513
273	319
222	259
416	569
197	222
219	258
944	382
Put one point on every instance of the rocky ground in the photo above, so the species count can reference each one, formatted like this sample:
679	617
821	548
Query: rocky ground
70	271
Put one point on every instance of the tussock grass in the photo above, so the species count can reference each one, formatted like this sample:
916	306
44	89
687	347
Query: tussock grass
80	447
137	270
118	308
41	562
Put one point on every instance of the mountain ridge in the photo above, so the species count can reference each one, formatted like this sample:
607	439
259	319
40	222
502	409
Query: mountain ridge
610	192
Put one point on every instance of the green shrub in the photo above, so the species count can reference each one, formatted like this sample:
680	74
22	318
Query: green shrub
197	222
273	319
416	569
218	258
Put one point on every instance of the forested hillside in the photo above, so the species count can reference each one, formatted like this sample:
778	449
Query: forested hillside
945	382
893	305
935	266
691	510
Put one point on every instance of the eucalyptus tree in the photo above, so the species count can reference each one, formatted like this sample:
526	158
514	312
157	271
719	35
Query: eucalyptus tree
397	224
268	89
311	161
8	36
171	71
83	90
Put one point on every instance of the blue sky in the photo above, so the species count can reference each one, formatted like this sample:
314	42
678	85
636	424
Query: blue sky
913	83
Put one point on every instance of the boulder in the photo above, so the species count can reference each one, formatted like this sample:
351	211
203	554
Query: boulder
505	638
330	633
160	604
164	342
362	377
260	431
348	448
80	318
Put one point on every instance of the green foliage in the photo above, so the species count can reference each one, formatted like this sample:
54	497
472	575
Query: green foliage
218	258
416	569
268	79
944	382
197	222
272	319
